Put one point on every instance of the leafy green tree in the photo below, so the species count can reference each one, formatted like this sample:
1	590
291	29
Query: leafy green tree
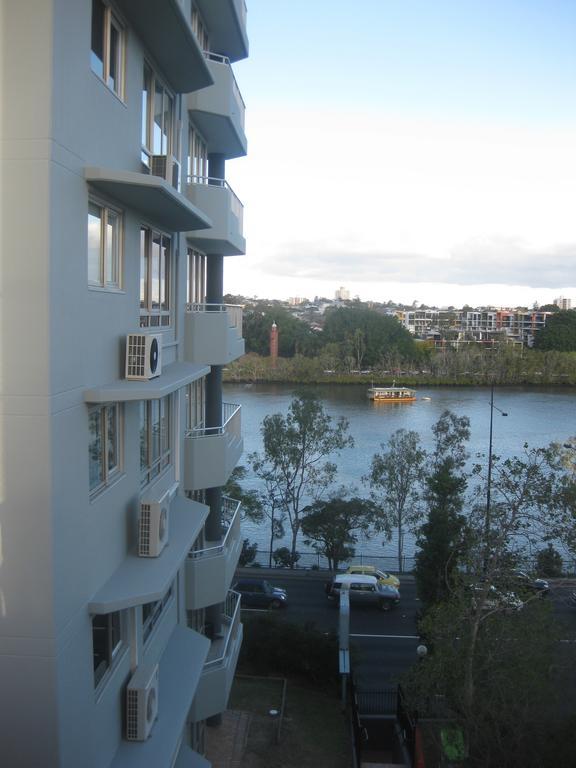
549	562
295	461
442	538
331	527
559	333
248	553
294	335
395	478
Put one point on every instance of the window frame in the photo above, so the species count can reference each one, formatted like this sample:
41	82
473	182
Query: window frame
108	475
151	84
197	157
155	611
196	404
116	267
151	316
151	466
110	21
115	623
196	272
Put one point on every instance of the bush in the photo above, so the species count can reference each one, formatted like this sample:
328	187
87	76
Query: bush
283	557
271	646
248	553
549	562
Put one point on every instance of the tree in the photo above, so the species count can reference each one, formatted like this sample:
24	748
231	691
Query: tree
331	527
559	333
442	541
295	462
395	478
248	553
549	562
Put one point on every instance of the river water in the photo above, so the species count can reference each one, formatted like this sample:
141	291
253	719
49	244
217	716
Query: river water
534	416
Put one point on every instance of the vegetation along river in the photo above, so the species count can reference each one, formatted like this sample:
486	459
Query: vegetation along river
536	416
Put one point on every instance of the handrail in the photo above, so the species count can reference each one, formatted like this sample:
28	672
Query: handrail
229	410
212	181
198	306
217	549
231	612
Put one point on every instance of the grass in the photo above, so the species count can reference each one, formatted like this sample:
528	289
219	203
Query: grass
314	731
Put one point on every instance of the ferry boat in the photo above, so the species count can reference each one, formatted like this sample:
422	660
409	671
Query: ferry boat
391	394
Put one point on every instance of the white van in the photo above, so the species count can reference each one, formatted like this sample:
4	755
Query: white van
363	590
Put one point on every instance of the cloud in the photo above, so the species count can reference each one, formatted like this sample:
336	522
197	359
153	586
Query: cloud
479	261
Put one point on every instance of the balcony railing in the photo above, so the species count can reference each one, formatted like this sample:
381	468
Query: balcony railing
225	61
231	517
236	206
233	311
230	424
219	651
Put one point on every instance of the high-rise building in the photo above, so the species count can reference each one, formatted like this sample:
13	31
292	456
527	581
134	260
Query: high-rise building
119	633
342	294
563	303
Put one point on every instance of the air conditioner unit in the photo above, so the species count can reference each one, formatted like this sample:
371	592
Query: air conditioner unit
143	356
167	167
141	703
153	526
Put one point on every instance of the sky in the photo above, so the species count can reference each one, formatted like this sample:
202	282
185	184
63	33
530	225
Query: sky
409	150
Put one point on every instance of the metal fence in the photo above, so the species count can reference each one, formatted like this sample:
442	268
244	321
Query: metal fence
314	561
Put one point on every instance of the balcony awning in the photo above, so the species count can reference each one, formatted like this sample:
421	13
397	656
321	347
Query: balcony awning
226	20
142	580
167	35
179	673
172	378
151	195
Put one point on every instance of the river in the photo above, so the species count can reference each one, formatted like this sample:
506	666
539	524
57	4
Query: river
536	416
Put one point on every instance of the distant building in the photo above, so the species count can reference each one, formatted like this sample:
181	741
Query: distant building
563	303
342	294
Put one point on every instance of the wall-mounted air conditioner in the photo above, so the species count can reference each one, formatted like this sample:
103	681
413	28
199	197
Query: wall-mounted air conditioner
141	703
143	356
153	526
167	167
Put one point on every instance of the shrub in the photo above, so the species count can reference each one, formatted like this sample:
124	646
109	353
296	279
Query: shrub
549	562
283	557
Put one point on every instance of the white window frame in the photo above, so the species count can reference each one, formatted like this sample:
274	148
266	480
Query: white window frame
196	404
199	29
155	611
111	256
151	465
108	474
115	633
196	276
150	85
111	22
152	316
197	159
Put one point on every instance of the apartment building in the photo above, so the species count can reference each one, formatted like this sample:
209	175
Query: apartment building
119	634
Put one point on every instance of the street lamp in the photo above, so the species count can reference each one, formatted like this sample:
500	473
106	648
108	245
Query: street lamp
489	482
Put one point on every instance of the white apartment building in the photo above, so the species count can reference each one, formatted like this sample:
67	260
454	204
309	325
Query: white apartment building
119	633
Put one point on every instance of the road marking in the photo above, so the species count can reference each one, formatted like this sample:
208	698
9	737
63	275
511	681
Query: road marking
389	637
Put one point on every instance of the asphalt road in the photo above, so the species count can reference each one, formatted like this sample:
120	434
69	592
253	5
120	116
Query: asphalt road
383	645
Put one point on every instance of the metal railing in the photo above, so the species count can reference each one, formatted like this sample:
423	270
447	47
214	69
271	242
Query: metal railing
236	206
231	513
230	424
234	312
231	616
225	61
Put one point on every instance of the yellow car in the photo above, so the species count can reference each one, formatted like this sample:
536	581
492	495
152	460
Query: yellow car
382	576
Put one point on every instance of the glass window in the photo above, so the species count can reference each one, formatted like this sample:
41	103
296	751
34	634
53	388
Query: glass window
151	613
196	277
197	158
104	445
195	408
108	638
104	246
107	47
155	276
199	29
155	438
158	118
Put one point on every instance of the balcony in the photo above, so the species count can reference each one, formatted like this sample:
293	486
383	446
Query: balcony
209	571
218	111
211	453
226	20
219	668
215	198
213	334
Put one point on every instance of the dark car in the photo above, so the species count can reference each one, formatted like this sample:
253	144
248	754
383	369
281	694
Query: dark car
521	581
259	593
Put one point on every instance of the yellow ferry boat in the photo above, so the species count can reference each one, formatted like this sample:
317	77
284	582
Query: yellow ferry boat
391	394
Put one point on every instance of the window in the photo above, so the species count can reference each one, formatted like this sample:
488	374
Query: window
107	49
154	278
159	136
104	246
195	399
199	30
104	447
155	437
196	277
108	639
197	158
151	613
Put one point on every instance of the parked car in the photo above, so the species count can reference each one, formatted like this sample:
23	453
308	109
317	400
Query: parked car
523	581
363	590
259	593
382	576
491	599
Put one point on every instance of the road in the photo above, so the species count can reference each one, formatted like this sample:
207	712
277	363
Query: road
383	645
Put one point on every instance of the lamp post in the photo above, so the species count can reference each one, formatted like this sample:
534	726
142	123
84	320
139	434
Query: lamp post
487	516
